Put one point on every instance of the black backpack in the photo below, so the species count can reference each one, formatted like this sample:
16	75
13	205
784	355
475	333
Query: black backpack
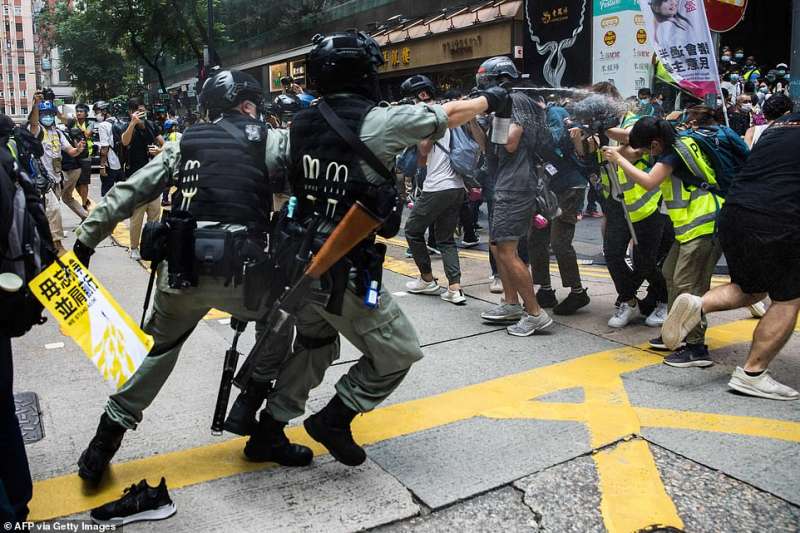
26	245
29	152
118	127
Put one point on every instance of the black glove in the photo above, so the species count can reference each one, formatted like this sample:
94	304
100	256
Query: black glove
82	252
497	97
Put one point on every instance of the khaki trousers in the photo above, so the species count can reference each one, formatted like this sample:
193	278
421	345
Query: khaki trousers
153	211
52	202
70	180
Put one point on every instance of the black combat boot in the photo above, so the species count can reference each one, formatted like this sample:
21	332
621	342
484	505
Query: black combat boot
242	416
101	449
269	443
331	428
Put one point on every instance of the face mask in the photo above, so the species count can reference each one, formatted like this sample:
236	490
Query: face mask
781	72
747	107
725	59
643	102
734	77
47	120
764	90
739	56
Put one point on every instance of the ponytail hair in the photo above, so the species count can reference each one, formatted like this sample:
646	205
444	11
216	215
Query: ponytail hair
649	129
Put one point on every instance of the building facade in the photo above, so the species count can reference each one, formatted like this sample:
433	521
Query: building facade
17	61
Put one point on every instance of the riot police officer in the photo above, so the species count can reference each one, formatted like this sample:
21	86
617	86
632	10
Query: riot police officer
329	170
223	190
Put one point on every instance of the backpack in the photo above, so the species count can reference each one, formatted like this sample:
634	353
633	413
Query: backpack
407	162
29	153
26	246
118	127
465	156
726	153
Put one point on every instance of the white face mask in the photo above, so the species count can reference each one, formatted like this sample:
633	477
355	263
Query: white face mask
747	107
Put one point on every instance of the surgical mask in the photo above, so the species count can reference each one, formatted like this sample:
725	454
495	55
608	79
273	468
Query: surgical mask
47	120
747	107
734	77
644	101
725	59
764	90
739	56
781	72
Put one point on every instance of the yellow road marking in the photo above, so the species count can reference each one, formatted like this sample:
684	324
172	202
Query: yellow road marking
632	493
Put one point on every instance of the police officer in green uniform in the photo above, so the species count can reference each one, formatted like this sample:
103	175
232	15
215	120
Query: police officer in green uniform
343	69
221	174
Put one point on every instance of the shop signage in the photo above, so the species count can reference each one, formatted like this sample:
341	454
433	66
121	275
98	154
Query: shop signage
397	57
621	50
462	46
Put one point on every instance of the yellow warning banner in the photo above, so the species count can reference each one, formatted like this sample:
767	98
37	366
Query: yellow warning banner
89	314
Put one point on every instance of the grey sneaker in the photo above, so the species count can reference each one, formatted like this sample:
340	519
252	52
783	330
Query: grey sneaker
758	309
496	286
420	286
685	314
530	324
454	297
762	385
503	313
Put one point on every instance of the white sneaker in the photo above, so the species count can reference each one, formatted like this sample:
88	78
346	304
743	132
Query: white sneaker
762	385
530	324
135	254
685	314
658	316
420	286
758	309
496	286
622	315
454	297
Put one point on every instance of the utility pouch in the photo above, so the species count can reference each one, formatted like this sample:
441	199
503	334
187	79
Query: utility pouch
215	253
180	250
255	270
155	236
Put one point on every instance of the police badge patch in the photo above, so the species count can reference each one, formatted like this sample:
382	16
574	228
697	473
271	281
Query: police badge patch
253	132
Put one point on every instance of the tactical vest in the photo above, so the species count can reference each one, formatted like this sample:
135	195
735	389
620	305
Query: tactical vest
87	152
639	202
693	210
222	178
322	165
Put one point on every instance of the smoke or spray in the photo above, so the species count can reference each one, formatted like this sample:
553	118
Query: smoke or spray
598	112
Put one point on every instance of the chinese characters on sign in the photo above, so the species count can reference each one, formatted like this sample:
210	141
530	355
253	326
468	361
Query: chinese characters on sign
397	57
87	313
557	14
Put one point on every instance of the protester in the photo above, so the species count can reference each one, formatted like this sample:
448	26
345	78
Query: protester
569	184
515	203
71	169
85	158
142	140
758	231
774	108
694	254
740	116
110	166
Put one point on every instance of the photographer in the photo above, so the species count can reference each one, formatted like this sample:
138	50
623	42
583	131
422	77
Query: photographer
42	124
85	158
143	141
71	167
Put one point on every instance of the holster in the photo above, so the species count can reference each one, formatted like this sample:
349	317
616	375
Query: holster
215	253
180	250
155	237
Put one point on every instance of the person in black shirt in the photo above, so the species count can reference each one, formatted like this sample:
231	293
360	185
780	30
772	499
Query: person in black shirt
143	140
758	230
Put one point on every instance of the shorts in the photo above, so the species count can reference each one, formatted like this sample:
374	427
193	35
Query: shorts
511	216
86	172
763	252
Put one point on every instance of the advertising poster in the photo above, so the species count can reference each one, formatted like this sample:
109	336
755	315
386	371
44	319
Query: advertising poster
622	51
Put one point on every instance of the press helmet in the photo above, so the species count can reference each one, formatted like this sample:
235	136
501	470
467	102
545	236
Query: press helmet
416	84
345	61
228	88
100	105
47	107
495	70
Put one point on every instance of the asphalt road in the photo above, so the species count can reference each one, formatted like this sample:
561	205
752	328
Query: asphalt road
578	429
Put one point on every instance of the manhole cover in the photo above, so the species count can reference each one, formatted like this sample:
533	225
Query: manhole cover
29	416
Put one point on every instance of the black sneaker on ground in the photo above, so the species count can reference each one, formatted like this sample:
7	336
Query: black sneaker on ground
331	428
139	502
546	298
572	303
105	443
690	355
658	344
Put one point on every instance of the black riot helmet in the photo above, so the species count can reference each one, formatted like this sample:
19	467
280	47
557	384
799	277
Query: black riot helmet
415	85
345	62
494	71
284	106
228	88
